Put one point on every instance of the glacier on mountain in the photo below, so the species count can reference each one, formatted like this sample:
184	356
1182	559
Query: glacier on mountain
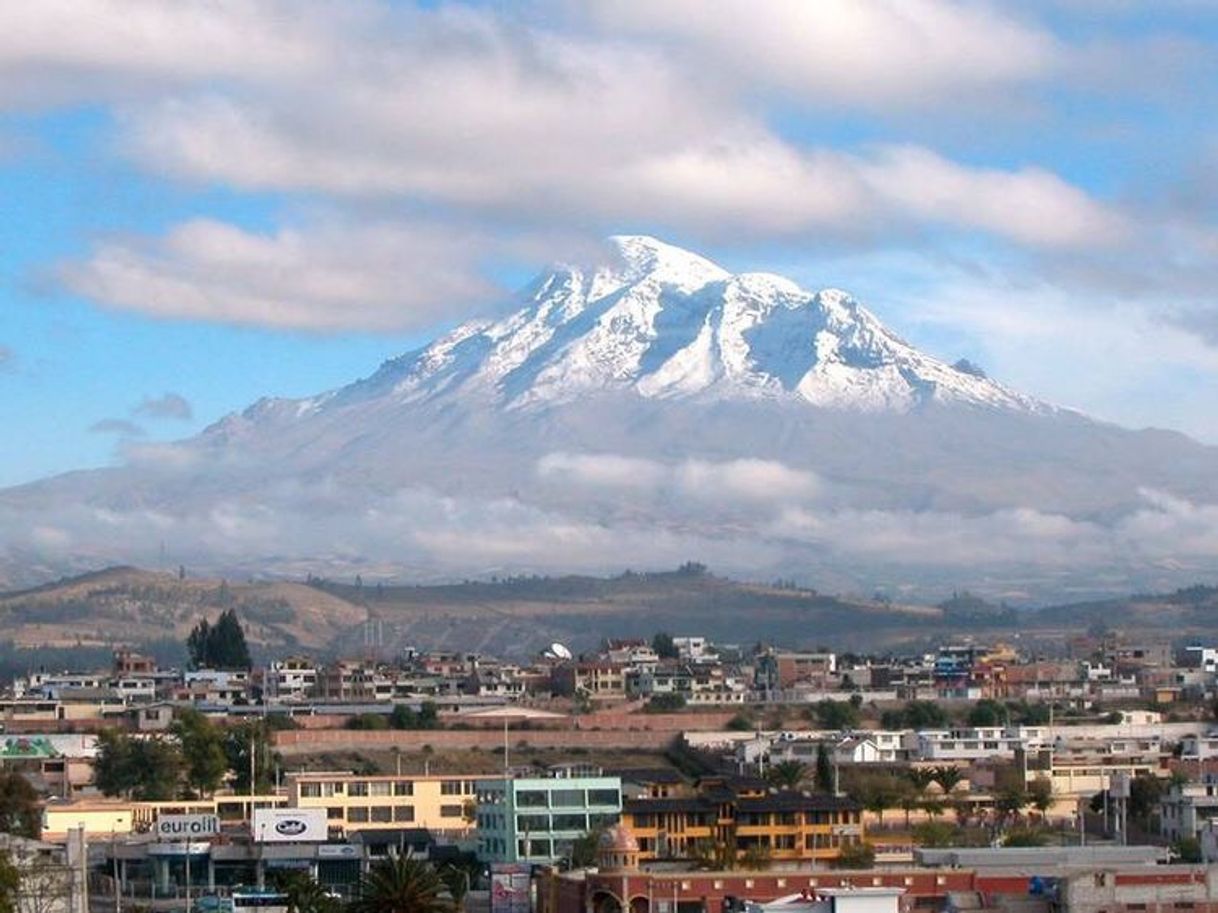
663	322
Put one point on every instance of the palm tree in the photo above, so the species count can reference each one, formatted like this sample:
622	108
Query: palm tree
920	777
948	777
401	885
304	894
787	773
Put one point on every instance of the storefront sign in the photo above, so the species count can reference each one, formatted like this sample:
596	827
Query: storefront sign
186	827
289	825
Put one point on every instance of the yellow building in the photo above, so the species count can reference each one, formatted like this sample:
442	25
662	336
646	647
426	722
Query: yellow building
103	817
354	802
784	825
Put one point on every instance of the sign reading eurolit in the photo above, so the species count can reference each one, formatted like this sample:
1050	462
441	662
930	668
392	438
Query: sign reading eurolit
184	827
289	825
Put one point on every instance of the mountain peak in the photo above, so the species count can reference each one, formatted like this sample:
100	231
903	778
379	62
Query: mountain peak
658	322
645	256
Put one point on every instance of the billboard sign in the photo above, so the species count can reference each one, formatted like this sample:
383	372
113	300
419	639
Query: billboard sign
289	825
186	827
510	885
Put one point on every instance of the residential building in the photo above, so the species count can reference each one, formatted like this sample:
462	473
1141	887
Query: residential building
1186	807
743	815
355	803
538	819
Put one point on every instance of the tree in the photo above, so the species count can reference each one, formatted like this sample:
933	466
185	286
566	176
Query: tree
238	743
855	856
148	769
20	812
113	773
405	717
986	713
663	645
203	748
1023	836
824	769
1009	800
788	774
1187	849
948	777
46	885
924	715
836	714
304	894
1040	795
10	884
920	778
585	850
756	857
400	884
219	646
877	797
665	703
934	834
1144	793
457	878
741	722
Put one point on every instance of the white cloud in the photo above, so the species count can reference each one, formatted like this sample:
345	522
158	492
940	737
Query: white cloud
168	405
368	276
873	53
1030	206
697	483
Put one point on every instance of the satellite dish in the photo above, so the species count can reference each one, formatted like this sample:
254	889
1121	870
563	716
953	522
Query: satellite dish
560	651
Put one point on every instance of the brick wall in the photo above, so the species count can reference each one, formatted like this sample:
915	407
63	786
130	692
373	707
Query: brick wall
308	741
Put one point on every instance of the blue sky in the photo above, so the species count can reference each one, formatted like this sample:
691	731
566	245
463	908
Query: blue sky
204	203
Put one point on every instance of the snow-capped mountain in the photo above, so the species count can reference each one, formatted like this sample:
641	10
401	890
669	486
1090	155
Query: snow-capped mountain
664	323
645	410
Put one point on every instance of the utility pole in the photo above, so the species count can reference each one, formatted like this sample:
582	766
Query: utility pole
118	893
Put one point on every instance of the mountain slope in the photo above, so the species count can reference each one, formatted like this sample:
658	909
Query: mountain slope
642	411
664	323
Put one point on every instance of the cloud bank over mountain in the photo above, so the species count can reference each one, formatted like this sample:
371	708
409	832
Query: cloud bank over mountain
644	408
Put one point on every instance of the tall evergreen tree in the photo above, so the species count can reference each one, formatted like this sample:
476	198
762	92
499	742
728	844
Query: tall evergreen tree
219	646
824	769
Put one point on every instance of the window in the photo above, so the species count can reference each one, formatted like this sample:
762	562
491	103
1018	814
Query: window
403	788
531	798
784	841
382	814
403	813
568	798
539	848
525	823
604	797
380	788
357	815
451	811
310	790
570	822
334	814
359	788
450	788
